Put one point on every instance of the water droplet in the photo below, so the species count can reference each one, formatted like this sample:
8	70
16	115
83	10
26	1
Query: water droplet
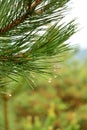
55	76
54	70
9	95
50	80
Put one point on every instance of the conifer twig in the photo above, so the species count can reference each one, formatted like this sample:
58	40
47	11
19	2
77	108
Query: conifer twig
35	4
5	99
22	18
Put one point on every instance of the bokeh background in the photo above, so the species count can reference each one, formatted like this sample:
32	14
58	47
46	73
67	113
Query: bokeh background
58	103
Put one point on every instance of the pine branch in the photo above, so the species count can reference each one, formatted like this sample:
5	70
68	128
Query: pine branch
27	43
19	20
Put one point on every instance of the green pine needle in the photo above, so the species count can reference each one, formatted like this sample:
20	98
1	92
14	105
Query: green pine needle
29	43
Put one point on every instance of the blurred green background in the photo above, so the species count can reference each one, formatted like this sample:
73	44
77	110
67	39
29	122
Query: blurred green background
58	103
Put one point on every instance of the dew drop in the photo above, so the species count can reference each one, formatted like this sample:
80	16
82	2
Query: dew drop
55	76
54	70
50	80
9	95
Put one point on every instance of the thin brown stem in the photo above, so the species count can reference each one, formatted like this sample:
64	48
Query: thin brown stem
22	18
35	4
5	99
14	23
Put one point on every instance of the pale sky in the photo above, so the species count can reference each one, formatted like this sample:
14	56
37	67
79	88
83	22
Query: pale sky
79	10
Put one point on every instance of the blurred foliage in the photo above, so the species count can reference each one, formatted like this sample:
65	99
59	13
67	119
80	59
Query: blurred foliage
58	103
